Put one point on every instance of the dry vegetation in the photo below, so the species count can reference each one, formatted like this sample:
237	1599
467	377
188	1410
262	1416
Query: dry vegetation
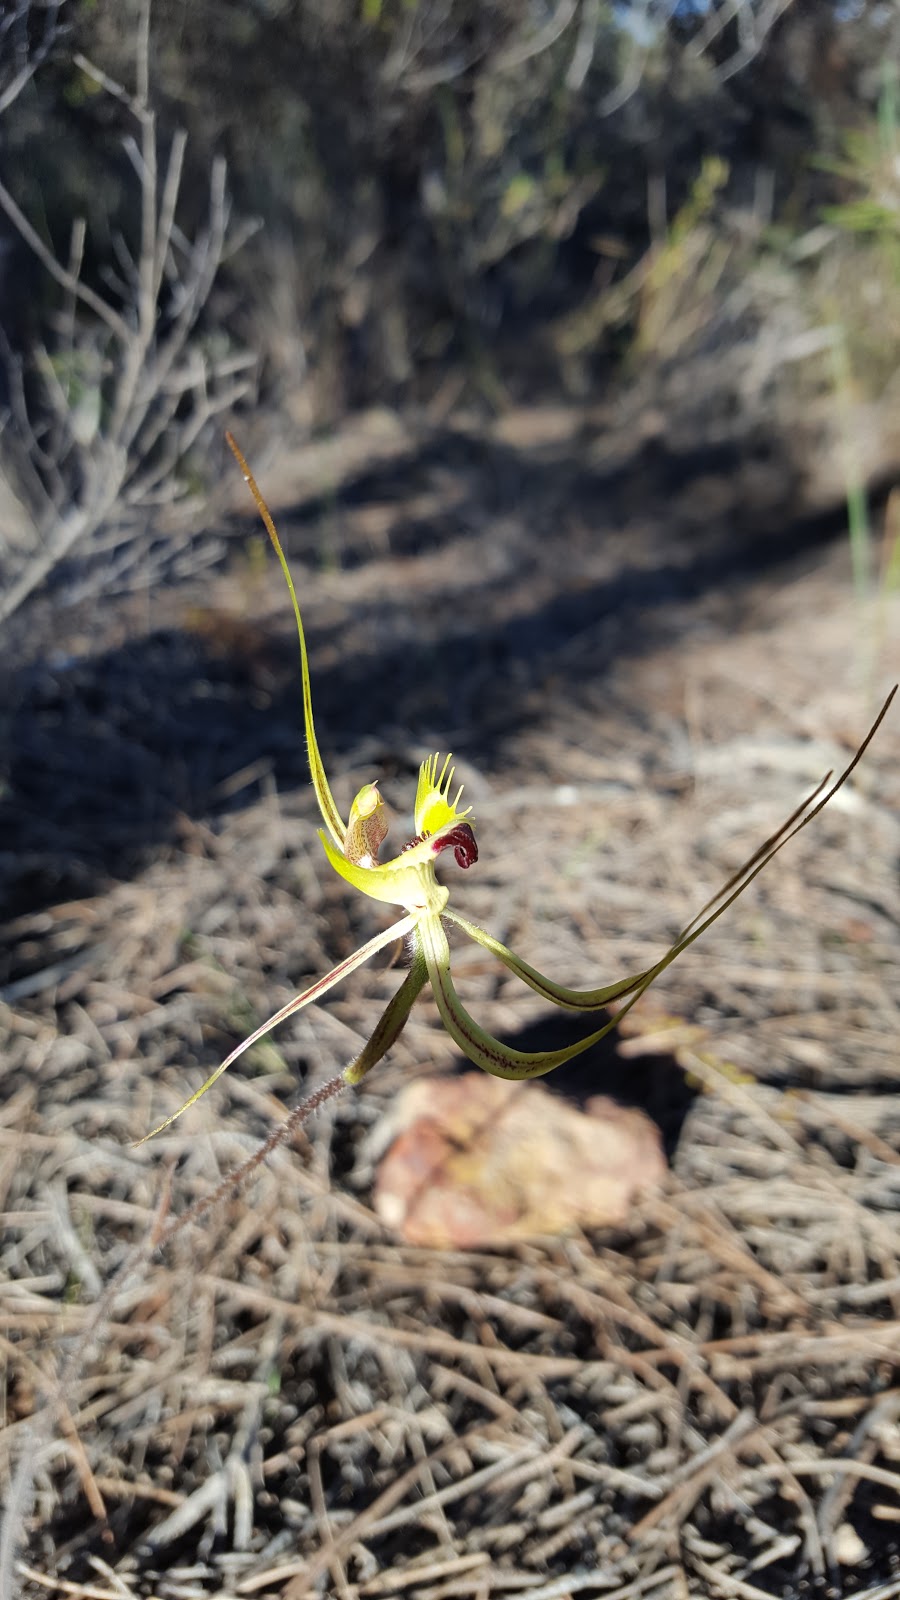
632	623
289	1402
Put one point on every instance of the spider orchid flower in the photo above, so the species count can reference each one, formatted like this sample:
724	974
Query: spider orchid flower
408	881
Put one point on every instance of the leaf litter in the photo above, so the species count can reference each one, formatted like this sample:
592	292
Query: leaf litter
700	1399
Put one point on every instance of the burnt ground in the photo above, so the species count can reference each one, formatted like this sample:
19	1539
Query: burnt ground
642	657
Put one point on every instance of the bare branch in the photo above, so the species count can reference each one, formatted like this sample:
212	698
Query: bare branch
33	59
754	24
50	264
111	85
167	206
107	410
543	40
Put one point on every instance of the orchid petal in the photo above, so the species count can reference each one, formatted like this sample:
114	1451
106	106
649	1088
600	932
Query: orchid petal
481	1047
330	814
400	882
316	990
392	1021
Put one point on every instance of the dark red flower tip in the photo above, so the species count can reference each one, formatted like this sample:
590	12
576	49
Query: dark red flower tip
462	840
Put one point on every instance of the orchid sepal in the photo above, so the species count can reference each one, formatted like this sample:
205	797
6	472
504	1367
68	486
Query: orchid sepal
330	814
399	930
392	1020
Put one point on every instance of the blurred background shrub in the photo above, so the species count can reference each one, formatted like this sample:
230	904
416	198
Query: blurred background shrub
457	202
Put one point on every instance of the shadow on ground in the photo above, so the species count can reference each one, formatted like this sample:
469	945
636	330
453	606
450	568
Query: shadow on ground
100	753
653	1083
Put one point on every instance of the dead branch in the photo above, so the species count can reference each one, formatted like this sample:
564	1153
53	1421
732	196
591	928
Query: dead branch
107	410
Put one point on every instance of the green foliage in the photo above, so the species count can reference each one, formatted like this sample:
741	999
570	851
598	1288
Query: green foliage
857	285
678	292
858	523
871	166
374	12
79	87
671	292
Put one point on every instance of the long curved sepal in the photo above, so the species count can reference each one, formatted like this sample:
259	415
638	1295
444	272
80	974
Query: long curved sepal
481	1047
796	822
805	812
316	990
595	999
391	1022
327	806
558	993
502	1060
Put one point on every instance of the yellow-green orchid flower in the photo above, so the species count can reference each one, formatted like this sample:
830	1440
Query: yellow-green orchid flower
408	880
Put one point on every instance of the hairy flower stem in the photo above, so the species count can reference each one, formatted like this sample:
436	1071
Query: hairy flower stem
233	1180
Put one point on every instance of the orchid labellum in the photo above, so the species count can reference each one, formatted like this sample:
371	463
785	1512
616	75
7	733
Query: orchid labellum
408	881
